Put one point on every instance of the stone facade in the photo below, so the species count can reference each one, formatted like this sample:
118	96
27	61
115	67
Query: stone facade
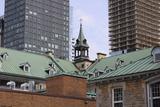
135	93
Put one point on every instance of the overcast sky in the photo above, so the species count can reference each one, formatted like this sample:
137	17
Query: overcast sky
95	23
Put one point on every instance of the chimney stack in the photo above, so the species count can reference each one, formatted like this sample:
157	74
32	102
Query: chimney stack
67	85
101	56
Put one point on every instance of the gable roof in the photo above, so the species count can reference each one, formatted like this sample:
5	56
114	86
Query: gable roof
134	62
39	63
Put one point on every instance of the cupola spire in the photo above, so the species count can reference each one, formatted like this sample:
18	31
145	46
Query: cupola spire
81	46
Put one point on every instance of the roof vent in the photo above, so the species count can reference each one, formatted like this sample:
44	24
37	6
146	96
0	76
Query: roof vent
50	54
156	54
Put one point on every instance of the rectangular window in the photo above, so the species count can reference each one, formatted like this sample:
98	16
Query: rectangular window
117	97
155	93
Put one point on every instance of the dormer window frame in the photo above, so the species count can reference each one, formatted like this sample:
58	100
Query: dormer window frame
98	73
90	75
4	55
155	52
52	65
26	67
50	72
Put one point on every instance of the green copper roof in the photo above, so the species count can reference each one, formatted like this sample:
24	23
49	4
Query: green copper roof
109	62
134	62
39	64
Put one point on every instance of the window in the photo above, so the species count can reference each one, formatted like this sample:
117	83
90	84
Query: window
156	54
154	95
25	67
117	97
4	55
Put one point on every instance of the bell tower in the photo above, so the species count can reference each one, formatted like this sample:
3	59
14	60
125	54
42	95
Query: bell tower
81	48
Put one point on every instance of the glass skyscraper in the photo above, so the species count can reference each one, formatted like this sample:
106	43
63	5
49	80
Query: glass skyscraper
37	26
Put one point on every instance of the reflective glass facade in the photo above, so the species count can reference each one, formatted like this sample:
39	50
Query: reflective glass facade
37	26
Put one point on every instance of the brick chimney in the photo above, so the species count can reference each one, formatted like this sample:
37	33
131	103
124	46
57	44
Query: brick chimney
67	85
101	56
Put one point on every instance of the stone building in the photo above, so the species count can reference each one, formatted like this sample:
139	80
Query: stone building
127	80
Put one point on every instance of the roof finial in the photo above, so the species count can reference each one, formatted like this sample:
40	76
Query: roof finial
81	20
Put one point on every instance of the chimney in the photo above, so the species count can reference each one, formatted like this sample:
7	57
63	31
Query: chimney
50	54
67	85
101	56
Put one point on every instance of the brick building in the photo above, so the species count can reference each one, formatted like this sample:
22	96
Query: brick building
127	80
28	79
62	93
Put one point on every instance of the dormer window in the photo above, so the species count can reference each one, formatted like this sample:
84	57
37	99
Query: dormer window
4	55
85	41
25	67
77	41
119	63
156	54
52	65
90	75
51	69
50	72
98	73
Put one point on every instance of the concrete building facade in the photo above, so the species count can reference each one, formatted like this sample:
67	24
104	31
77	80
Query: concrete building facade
134	24
1	30
37	26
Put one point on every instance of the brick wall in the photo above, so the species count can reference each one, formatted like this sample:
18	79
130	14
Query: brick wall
19	99
134	93
67	86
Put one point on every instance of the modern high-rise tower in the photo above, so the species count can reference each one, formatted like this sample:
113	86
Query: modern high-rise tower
134	24
37	26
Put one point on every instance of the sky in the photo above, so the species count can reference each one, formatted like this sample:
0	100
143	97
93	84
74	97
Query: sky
95	23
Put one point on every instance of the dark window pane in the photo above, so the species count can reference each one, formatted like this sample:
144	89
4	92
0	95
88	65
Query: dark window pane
156	103
118	105
156	89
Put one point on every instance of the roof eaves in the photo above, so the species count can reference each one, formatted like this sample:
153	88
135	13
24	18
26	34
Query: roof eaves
123	76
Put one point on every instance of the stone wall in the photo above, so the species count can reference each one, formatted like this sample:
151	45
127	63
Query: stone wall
134	93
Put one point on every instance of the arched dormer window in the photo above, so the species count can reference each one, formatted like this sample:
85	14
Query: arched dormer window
156	54
52	65
84	41
4	55
26	67
77	41
98	73
51	69
50	72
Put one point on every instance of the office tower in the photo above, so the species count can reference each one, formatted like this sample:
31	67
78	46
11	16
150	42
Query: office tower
37	26
134	24
71	43
1	30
